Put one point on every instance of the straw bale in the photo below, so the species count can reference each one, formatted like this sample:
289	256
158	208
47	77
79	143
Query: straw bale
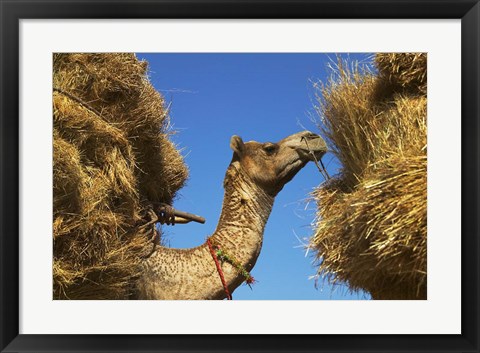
404	70
112	158
371	229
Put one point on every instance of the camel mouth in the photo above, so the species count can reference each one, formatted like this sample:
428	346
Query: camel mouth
312	146
307	143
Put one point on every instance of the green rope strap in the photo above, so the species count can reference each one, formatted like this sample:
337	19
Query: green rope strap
224	256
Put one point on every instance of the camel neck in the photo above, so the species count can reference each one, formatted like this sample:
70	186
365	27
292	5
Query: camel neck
190	273
245	211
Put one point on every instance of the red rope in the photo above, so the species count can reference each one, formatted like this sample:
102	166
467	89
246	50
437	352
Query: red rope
219	269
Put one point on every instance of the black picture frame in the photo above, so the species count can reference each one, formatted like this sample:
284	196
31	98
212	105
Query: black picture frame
12	11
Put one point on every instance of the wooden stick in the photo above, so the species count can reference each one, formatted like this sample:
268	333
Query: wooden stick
181	220
181	217
189	216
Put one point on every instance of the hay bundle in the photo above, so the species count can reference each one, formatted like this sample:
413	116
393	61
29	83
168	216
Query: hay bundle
407	72
112	157
371	230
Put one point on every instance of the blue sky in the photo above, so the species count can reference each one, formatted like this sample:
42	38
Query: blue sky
263	97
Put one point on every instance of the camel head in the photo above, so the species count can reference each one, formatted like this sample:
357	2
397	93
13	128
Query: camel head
272	165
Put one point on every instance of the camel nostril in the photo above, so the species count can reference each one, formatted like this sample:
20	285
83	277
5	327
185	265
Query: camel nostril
307	134
311	135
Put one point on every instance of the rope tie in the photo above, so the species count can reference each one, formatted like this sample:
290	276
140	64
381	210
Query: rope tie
219	269
322	170
78	100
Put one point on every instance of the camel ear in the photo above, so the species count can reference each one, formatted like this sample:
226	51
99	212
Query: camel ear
236	144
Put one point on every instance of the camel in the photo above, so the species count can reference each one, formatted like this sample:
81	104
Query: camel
256	174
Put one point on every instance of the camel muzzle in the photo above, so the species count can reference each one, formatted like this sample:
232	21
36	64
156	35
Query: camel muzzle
309	144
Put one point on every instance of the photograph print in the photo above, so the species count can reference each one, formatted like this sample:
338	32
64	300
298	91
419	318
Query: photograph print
244	176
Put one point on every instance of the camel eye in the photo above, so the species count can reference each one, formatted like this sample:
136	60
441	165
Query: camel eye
269	148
